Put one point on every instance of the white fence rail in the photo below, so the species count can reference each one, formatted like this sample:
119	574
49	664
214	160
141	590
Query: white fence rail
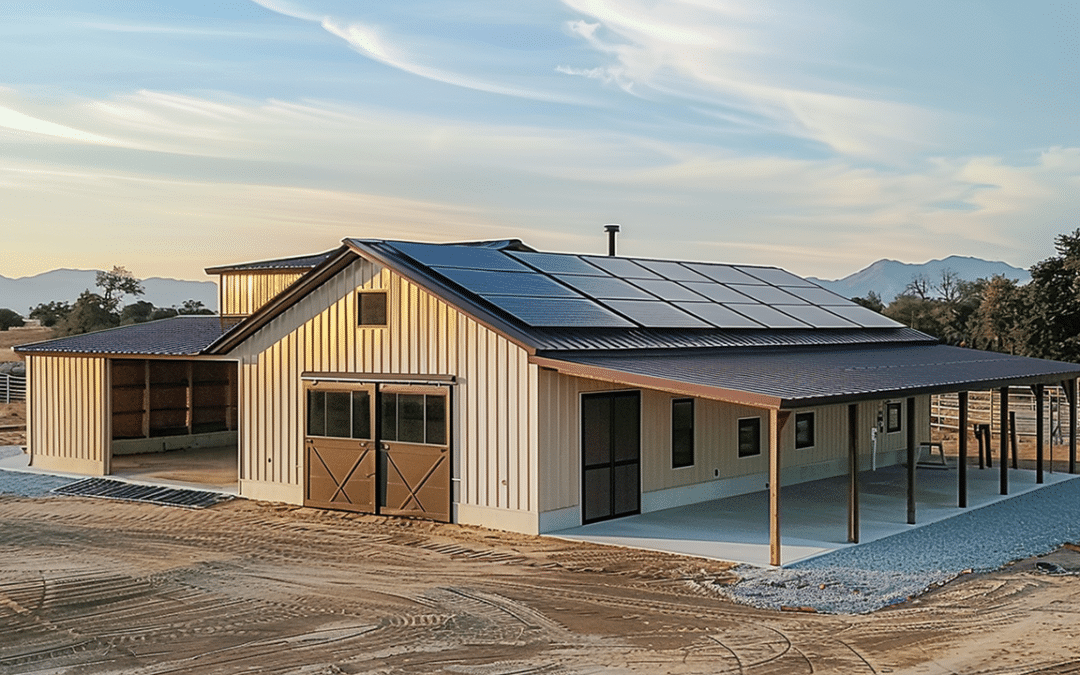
12	388
984	407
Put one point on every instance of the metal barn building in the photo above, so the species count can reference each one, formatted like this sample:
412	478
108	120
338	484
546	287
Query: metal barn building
491	384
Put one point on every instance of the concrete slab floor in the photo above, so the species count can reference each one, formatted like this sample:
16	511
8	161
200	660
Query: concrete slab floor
813	515
214	469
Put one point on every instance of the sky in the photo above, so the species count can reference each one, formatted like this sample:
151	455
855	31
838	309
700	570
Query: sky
169	136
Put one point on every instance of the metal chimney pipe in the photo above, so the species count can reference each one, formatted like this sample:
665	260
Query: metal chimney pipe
611	229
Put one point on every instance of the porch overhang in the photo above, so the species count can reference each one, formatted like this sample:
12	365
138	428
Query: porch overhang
788	379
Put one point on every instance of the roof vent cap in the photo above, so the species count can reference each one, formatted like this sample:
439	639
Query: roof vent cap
611	229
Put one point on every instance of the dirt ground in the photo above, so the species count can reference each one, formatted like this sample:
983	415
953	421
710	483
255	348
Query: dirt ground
22	336
91	586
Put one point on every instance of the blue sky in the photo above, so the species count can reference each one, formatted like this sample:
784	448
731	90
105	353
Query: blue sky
818	136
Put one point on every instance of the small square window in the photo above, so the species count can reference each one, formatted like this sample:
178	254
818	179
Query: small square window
892	417
804	430
749	437
682	432
371	308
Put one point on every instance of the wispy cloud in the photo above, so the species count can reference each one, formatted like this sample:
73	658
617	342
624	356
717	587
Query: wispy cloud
21	122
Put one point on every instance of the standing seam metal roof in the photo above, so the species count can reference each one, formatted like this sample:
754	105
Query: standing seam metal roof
175	336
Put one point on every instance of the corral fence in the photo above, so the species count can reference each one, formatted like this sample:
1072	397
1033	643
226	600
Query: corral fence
12	388
984	407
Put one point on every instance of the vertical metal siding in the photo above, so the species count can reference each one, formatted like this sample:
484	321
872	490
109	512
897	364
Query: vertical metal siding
68	411
715	438
494	418
241	293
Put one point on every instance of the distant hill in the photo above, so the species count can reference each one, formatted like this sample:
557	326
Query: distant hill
888	278
65	285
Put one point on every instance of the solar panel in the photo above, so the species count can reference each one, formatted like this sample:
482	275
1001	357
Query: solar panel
769	295
867	318
621	267
606	287
817	317
718	315
558	312
770	317
725	274
559	263
468	257
483	282
655	314
670	269
816	295
775	275
720	293
667	290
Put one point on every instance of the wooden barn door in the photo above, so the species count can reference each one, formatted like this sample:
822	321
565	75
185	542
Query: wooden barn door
339	447
414	451
610	455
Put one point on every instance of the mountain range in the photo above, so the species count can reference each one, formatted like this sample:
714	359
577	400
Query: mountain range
888	278
65	285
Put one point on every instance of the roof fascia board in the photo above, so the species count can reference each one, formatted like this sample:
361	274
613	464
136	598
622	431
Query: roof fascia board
462	304
314	278
658	383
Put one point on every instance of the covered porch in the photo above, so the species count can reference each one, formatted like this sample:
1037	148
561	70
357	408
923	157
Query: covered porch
814	515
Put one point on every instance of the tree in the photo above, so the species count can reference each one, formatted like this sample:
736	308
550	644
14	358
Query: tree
88	314
49	313
193	307
920	287
998	322
115	285
9	318
137	312
871	301
1053	303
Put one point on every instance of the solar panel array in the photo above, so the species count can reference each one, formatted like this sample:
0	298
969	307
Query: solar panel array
562	290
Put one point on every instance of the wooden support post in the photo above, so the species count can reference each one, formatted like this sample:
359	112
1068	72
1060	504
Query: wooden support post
912	442
1014	447
853	473
1003	440
1039	435
1070	388
146	399
961	463
774	488
189	416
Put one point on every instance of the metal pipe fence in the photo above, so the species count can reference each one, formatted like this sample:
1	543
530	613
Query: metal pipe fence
984	408
12	388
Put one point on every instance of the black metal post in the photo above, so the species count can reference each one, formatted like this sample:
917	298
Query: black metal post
911	442
961	466
1039	437
1003	438
853	473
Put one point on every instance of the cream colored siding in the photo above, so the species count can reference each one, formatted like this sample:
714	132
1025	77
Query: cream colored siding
68	413
715	440
494	421
241	293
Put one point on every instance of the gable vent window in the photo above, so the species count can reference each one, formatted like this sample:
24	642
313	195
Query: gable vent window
371	308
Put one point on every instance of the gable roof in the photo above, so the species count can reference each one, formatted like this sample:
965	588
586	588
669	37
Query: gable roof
301	264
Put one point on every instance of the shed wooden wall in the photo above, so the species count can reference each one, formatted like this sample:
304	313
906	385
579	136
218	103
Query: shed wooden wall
494	421
241	293
67	410
715	441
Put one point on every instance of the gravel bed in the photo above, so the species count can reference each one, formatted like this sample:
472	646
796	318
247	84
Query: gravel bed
22	484
869	576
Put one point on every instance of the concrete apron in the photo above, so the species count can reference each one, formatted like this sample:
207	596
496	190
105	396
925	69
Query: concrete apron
813	515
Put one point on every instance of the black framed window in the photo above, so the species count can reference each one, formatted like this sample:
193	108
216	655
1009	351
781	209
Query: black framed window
682	432
804	430
371	308
893	417
413	418
339	414
749	436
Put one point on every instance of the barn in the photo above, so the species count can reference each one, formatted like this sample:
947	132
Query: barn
491	384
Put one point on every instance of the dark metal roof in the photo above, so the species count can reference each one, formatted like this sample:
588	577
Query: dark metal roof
176	336
297	263
599	339
799	377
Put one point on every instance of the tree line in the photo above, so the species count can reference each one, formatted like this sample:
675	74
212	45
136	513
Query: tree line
1040	319
104	309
